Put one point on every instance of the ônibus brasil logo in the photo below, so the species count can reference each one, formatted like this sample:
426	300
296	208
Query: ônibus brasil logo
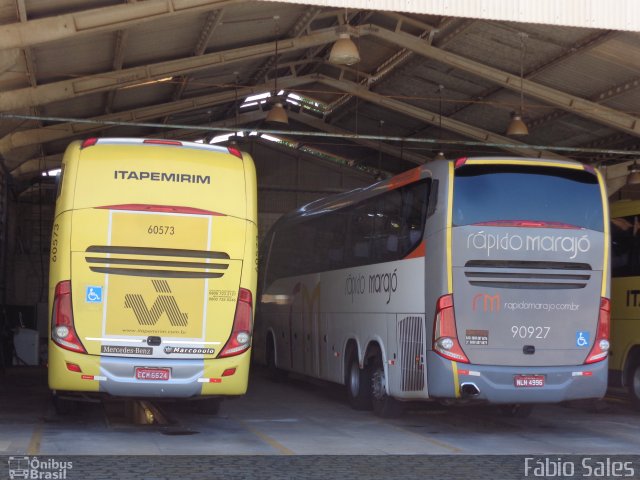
35	468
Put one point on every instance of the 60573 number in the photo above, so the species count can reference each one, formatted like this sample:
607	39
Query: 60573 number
161	230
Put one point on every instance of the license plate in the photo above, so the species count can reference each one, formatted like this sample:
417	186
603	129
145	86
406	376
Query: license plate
143	373
528	381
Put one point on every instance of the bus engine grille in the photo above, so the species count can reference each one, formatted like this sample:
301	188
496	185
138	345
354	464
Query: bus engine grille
167	262
411	340
527	274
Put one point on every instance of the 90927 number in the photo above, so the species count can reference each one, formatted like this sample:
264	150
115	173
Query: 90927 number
524	331
161	230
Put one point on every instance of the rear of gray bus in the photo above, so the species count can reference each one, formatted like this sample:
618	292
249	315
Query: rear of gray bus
526	319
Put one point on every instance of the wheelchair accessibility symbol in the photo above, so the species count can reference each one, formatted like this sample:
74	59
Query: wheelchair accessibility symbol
582	339
94	295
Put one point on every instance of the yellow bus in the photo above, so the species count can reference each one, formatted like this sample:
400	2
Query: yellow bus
624	363
153	271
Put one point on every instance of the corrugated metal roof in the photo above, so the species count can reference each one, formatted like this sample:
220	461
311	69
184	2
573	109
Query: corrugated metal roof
570	74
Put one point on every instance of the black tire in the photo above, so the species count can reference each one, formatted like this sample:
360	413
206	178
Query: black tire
633	387
275	373
358	382
64	406
383	405
516	410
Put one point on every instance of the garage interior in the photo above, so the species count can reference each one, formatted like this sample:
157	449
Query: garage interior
426	85
204	70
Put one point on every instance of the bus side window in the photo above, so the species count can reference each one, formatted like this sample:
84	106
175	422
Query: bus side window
388	222
329	241
290	252
415	206
362	224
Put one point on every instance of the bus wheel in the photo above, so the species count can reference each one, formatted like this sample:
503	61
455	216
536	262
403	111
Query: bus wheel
383	405
275	374
634	385
516	410
358	391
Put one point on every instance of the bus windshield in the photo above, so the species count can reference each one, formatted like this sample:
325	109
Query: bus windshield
511	193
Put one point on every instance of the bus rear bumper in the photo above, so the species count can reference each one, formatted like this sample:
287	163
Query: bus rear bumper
116	376
497	384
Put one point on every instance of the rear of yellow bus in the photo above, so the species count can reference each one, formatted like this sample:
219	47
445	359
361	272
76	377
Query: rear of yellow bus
152	270
624	366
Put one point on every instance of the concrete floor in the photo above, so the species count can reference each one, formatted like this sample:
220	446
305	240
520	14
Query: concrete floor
303	418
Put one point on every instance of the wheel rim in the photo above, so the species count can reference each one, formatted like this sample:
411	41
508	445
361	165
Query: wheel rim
354	379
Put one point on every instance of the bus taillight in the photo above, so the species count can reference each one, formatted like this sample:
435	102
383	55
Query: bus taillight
63	331
600	348
240	339
445	335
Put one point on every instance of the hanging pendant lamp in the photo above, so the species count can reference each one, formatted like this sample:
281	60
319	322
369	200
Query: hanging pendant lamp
344	51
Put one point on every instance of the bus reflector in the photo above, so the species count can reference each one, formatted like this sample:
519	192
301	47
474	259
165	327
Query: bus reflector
445	336
155	141
240	339
600	348
72	367
89	142
235	152
63	331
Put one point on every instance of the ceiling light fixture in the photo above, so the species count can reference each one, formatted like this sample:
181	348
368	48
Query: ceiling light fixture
277	114
517	126
633	177
344	51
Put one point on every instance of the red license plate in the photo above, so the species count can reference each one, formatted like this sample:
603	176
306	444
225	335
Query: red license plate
143	373
528	381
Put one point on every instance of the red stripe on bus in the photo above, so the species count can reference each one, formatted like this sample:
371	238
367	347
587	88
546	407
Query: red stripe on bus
140	207
419	251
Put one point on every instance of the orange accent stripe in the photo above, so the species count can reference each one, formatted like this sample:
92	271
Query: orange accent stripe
404	178
419	251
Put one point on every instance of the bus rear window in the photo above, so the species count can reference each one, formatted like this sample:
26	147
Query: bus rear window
526	196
